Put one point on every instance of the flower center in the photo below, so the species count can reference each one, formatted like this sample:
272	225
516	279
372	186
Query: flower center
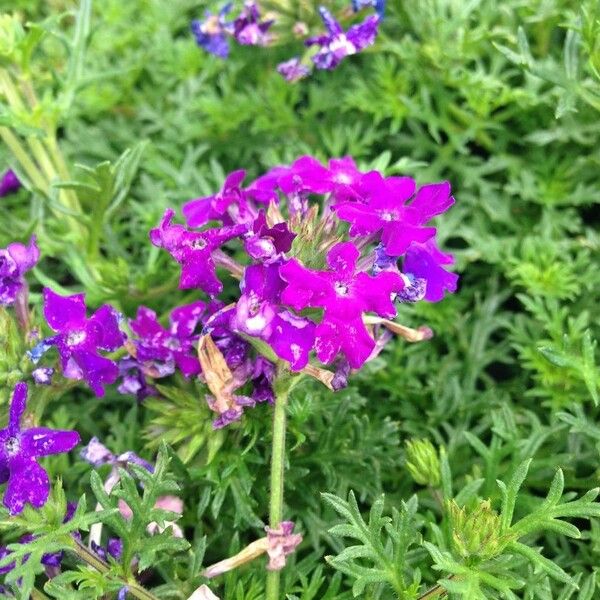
387	215
341	288
12	446
76	337
198	244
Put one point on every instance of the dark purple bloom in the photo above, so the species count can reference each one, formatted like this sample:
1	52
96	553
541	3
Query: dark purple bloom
229	205
211	32
345	296
194	251
424	263
79	339
133	378
15	260
258	314
43	375
19	451
175	344
293	69
268	243
248	28
113	549
336	44
9	183
384	209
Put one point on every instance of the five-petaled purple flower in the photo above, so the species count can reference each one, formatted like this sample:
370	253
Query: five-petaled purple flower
345	296
15	260
248	29
9	183
336	44
19	451
211	32
194	251
384	207
79	339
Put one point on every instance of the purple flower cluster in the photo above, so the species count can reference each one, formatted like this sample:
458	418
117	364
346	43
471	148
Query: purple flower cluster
327	49
304	289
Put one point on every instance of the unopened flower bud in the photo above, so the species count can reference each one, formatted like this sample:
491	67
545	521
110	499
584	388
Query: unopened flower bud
422	462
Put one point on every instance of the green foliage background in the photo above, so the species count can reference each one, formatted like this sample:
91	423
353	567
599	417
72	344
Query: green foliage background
500	98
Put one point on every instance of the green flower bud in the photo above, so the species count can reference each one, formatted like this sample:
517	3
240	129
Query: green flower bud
476	533
11	35
422	462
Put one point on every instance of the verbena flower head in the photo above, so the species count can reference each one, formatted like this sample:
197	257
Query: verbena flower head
19	451
9	183
324	253
326	50
79	339
15	260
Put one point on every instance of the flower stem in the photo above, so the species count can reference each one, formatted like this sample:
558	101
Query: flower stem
87	556
277	470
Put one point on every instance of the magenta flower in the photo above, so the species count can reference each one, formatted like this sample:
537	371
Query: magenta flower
336	44
345	296
424	262
9	183
258	314
228	205
268	243
175	344
15	260
79	339
194	251
19	451
384	209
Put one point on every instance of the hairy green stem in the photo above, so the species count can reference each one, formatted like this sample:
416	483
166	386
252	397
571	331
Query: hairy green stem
277	469
88	557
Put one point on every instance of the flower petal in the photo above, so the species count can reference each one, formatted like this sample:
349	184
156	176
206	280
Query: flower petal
40	441
64	312
28	483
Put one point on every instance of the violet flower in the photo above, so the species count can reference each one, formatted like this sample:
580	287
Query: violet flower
9	183
194	251
345	296
268	243
293	70
133	378
175	344
423	262
281	542
384	208
248	29
79	339
15	260
211	32
336	44
19	451
43	375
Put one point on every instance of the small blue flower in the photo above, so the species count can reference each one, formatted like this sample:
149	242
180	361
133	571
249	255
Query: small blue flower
211	32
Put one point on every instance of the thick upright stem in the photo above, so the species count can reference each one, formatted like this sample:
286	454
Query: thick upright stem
277	469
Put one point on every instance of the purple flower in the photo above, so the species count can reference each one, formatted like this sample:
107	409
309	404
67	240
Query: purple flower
293	70
423	262
384	209
113	549
345	296
268	243
175	344
378	5
79	339
97	454
336	44
43	375
258	314
211	32
15	260
194	251
228	205
280	543
248	29
9	183
19	451
133	378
